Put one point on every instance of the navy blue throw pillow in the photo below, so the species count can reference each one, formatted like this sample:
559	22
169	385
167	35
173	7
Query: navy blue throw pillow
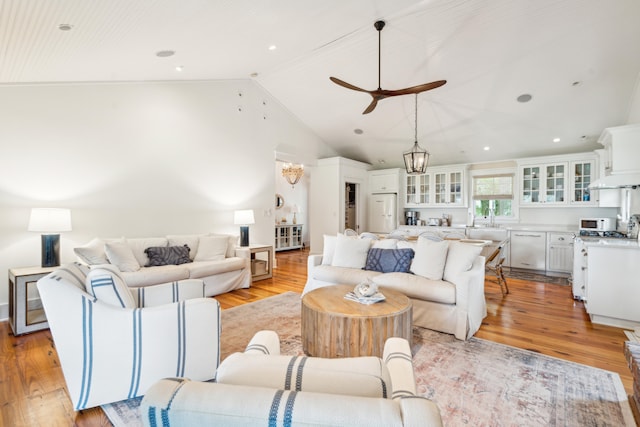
389	260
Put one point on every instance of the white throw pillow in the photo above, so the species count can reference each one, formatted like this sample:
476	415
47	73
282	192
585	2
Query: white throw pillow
190	240
350	252
212	248
92	253
121	255
461	257
328	249
104	283
232	243
403	244
385	244
430	258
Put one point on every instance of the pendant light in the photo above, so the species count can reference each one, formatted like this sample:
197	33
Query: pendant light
416	159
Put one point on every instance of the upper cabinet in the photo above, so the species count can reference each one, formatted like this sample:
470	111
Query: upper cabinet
583	174
384	181
543	184
437	187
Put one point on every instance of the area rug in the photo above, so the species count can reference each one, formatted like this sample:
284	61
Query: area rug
474	382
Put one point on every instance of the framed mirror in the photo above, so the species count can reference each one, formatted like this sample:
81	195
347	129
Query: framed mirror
279	201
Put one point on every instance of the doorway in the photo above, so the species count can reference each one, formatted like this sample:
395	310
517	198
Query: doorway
351	206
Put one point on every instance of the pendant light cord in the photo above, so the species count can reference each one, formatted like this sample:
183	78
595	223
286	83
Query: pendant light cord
416	117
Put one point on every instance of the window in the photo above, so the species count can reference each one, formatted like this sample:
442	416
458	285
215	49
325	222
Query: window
493	194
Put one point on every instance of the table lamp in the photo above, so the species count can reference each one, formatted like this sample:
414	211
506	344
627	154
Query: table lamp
243	218
50	222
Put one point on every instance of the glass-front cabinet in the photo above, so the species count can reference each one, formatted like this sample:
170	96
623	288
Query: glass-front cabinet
436	188
583	175
543	184
418	190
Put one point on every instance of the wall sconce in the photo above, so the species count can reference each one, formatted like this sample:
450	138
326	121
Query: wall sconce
244	218
49	222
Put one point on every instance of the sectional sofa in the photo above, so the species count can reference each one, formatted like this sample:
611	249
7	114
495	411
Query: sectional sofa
214	258
444	280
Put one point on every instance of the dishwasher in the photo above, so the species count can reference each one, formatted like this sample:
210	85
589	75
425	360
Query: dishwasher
528	249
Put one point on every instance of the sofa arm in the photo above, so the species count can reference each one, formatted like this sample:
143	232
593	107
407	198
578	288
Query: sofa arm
470	301
167	293
397	357
264	342
314	260
243	252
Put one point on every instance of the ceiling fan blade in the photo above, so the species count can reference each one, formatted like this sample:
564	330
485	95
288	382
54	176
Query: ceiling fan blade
371	106
347	85
415	89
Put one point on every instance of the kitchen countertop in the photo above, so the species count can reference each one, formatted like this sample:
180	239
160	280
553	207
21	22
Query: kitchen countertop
612	243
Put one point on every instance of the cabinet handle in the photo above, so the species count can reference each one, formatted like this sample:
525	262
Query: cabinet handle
528	235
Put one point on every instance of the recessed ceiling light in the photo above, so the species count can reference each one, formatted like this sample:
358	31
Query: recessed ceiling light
254	75
556	139
525	97
358	131
487	148
179	68
273	47
165	53
65	27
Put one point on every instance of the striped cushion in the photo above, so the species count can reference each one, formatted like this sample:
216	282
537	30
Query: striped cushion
74	272
361	376
107	286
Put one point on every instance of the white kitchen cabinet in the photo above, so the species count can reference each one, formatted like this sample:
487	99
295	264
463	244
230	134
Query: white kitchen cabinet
528	249
612	285
418	190
583	173
384	181
559	252
543	184
448	187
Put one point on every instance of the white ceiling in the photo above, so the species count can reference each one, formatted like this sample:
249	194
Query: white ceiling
489	51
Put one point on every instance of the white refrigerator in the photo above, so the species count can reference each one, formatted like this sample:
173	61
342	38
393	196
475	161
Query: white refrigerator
383	213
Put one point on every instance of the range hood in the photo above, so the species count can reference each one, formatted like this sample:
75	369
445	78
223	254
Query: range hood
620	180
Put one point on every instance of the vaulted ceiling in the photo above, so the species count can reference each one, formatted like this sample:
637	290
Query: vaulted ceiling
578	60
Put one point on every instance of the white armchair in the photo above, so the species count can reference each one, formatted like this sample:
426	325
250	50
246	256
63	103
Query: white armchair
261	387
113	345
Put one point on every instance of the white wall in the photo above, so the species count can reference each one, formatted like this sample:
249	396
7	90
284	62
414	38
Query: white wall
139	159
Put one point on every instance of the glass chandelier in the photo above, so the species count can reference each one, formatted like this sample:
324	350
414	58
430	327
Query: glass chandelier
416	159
292	173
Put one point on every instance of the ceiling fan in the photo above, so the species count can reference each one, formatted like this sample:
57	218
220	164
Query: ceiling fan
380	93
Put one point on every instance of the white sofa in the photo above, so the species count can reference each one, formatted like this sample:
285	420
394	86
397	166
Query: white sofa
262	387
444	280
214	259
113	344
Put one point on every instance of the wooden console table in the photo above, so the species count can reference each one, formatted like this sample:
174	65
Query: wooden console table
335	327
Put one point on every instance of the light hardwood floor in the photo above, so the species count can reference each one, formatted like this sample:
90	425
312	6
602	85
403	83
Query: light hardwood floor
536	316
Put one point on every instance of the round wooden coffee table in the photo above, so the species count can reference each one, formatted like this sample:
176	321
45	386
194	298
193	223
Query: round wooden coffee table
333	326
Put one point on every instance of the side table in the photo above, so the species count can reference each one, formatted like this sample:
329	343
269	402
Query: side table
261	268
24	316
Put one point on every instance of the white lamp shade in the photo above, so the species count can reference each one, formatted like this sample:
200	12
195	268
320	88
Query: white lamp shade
243	217
50	220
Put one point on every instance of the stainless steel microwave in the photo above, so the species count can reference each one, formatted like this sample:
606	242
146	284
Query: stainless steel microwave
598	224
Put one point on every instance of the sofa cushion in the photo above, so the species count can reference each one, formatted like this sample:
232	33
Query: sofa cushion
430	258
389	260
167	255
418	287
232	243
342	275
362	376
121	255
459	259
107	285
212	248
350	252
147	276
199	269
328	249
190	240
138	246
